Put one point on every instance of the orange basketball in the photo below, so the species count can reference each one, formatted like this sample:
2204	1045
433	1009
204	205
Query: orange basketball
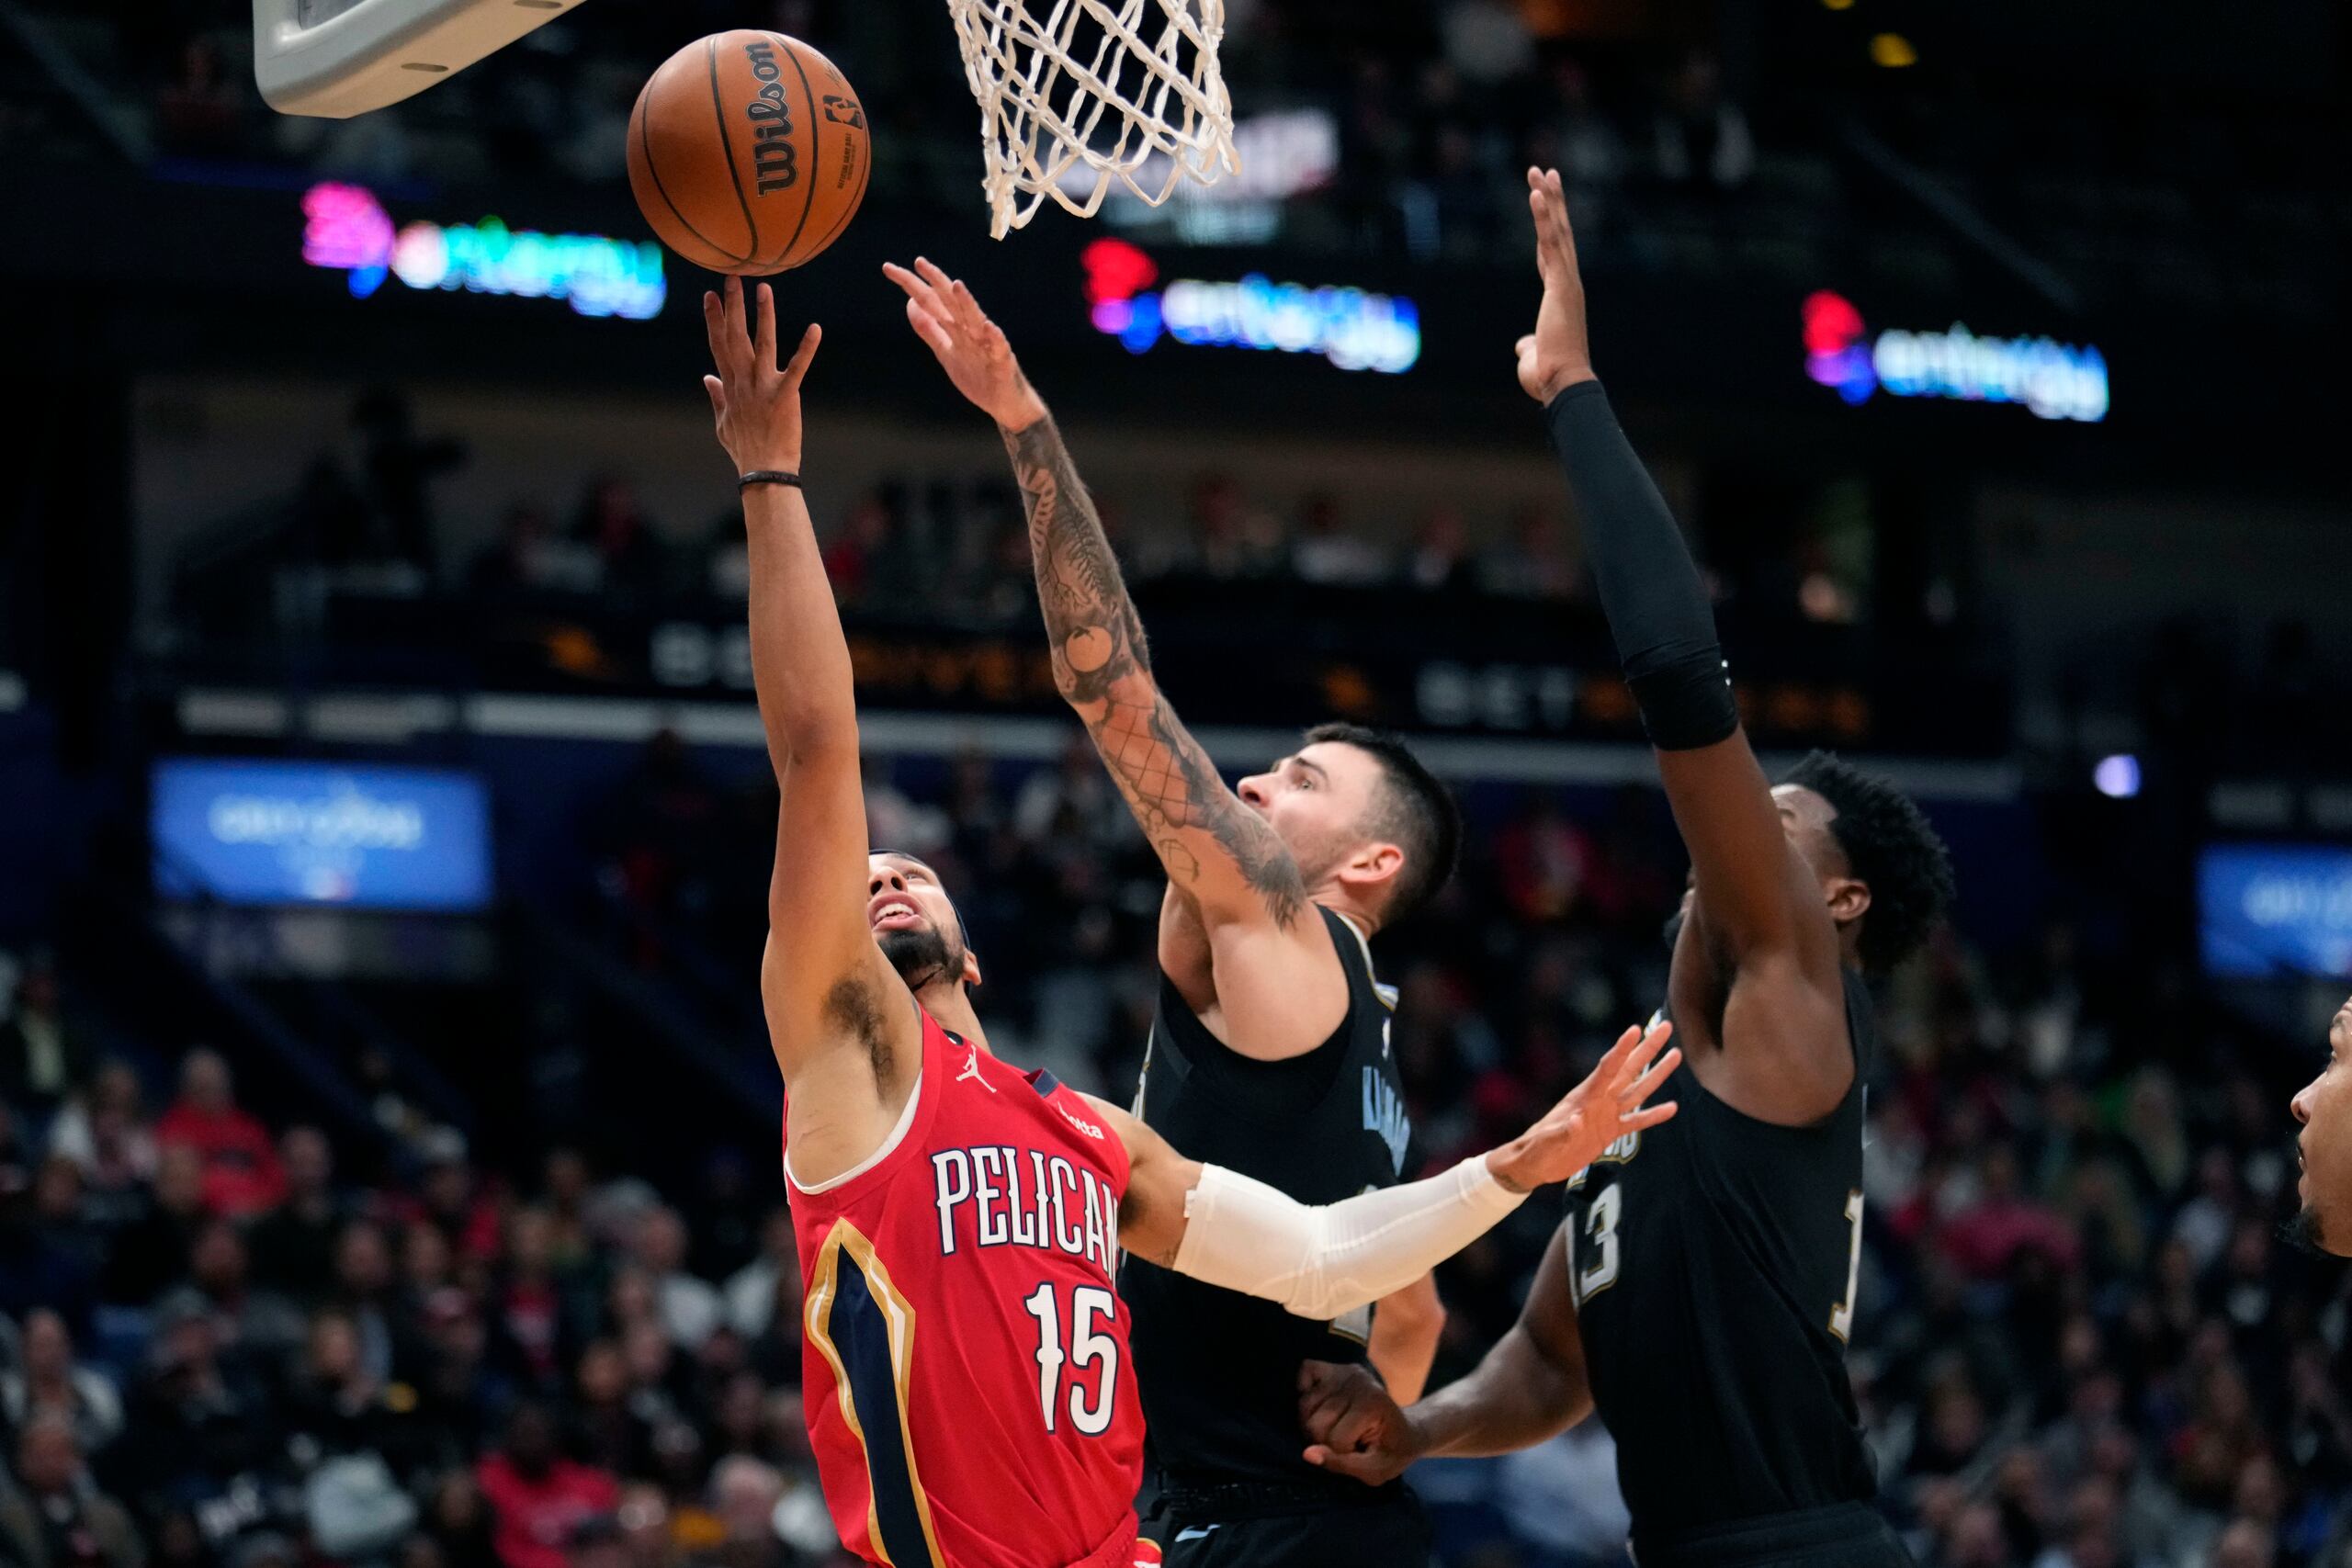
747	152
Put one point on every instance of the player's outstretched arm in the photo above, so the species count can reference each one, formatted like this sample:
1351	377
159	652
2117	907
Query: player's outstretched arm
1765	917
1222	1227
1276	982
822	979
1532	1385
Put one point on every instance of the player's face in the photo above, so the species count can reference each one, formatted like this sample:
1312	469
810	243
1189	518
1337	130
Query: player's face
913	920
2323	1148
1806	816
1316	800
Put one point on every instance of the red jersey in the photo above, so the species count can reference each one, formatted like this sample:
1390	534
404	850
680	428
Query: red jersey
965	1367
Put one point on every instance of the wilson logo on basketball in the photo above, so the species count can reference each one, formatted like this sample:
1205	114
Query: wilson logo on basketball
773	157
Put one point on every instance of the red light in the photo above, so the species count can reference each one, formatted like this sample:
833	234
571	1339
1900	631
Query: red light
1115	270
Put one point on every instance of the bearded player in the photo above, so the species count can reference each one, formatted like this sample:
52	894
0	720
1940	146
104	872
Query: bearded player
1701	1292
1269	1046
959	1223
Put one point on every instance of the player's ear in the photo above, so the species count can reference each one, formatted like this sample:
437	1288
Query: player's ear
971	970
1373	868
1850	899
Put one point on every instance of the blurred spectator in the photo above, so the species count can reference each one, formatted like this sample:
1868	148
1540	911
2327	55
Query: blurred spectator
752	1291
690	1308
103	1129
537	1495
55	1518
48	1257
1700	137
151	1246
47	1381
1533	562
198	1421
1073	804
336	1408
42	1057
259	1328
1486	40
293	1246
1439	559
528	558
1327	551
634	563
242	1176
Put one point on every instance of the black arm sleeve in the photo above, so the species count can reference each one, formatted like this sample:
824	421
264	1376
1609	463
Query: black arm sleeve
1657	606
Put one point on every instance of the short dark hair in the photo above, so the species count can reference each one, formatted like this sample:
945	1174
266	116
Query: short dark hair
1413	811
1892	848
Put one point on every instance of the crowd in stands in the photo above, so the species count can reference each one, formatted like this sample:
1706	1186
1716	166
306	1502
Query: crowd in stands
2080	1345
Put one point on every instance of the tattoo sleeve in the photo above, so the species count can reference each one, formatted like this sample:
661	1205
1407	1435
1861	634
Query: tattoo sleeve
1202	831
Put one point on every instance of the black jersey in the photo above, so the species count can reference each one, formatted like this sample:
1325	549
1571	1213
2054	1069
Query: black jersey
1713	1261
1219	1371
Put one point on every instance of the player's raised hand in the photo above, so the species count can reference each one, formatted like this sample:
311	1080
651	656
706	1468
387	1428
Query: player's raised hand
1356	1429
1557	353
755	403
972	349
1593	1115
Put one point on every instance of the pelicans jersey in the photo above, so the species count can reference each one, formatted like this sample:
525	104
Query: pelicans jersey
965	1372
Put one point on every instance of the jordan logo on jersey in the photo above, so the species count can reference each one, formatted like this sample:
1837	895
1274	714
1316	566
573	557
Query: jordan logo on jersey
971	1072
990	1196
1383	1112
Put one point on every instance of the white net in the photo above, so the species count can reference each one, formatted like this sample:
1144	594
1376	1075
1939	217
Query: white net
1094	93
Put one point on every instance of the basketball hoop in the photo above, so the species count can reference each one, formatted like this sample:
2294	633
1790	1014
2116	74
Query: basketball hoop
338	57
1129	90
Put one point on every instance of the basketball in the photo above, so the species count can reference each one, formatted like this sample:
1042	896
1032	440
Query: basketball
747	152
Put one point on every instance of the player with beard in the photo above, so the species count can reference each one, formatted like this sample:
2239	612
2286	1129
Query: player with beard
1268	1047
2323	1149
1700	1294
967	1384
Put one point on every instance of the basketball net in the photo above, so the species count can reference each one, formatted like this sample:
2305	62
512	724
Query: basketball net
1145	108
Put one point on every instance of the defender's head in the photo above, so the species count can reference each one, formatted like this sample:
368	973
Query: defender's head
2323	1148
1883	872
1357	809
915	922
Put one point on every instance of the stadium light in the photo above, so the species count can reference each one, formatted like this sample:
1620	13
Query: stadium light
2117	777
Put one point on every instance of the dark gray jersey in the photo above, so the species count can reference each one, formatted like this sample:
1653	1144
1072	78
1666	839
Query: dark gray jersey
1713	1263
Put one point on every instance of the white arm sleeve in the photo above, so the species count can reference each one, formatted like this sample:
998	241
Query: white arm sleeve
1320	1262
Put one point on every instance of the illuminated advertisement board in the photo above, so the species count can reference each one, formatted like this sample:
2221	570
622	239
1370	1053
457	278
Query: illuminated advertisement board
344	228
2052	379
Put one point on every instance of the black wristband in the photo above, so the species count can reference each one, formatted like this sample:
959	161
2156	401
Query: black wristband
768	477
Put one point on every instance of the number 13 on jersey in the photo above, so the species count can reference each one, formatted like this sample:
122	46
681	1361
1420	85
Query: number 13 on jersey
1603	1260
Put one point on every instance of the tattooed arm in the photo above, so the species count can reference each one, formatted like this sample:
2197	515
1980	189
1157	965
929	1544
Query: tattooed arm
1276	987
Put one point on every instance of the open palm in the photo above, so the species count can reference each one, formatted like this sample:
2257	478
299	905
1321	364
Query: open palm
972	349
1557	353
1608	1104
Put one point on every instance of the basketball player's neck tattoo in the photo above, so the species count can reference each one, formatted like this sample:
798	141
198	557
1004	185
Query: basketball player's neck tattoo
1103	668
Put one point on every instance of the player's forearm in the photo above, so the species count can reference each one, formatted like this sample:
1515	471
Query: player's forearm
1322	1262
1097	639
800	665
1215	849
1649	587
1515	1398
1406	1329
